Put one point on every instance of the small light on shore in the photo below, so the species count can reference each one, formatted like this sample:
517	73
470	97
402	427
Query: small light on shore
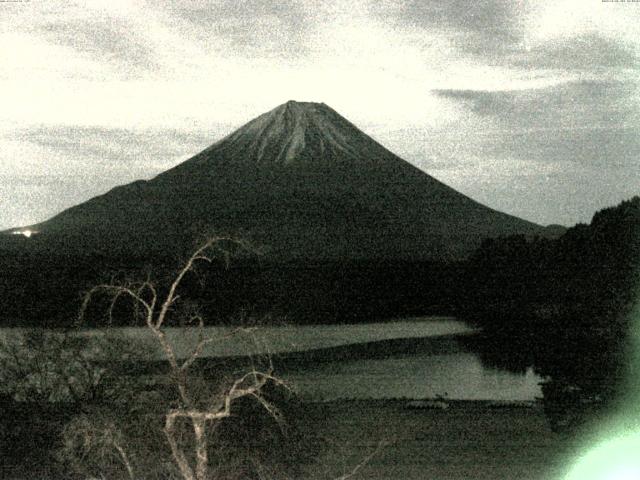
27	233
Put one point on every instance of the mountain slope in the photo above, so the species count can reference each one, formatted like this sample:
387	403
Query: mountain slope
300	180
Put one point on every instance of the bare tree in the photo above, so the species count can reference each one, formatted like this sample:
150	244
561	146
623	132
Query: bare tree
155	308
48	366
88	436
198	411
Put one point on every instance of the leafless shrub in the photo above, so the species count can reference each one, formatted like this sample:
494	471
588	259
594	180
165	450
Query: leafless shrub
45	366
201	414
90	441
197	420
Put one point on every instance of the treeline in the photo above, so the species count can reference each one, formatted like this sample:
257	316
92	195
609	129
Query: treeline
562	306
41	287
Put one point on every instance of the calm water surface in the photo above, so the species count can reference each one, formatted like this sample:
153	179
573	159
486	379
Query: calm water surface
454	375
457	373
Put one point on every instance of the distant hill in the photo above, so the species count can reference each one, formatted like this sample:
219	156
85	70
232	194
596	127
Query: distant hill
300	180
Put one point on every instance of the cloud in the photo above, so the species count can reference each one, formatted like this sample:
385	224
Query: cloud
486	28
252	28
553	154
608	148
141	149
524	34
526	88
46	169
486	17
595	123
564	194
589	51
112	40
574	104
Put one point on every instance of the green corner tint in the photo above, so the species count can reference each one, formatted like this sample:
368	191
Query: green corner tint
613	452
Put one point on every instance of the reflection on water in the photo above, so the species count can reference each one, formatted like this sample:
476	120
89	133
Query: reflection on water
455	375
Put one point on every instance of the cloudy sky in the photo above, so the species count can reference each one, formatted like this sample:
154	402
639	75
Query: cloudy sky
530	107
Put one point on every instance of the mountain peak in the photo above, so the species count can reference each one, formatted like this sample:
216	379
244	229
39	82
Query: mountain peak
300	179
296	133
295	108
296	103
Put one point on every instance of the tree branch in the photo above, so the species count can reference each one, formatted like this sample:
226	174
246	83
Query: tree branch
176	451
354	471
155	312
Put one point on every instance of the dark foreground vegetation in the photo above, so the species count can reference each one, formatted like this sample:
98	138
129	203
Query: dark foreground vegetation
562	306
124	439
112	419
100	410
469	440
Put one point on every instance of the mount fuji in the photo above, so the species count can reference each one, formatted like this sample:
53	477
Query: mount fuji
302	182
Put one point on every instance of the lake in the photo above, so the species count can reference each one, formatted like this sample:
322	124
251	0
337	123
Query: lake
460	376
438	361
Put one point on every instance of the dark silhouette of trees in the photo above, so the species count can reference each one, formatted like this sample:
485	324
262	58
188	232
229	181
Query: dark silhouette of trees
561	306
